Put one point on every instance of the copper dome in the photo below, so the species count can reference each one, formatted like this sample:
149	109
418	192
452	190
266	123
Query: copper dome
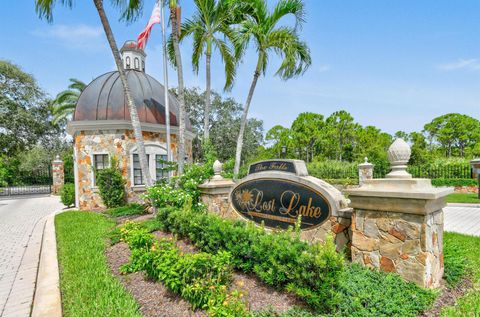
103	99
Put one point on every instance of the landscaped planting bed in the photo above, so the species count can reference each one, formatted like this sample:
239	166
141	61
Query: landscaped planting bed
188	263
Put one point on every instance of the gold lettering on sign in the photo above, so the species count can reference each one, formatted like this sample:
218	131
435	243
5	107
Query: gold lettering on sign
254	204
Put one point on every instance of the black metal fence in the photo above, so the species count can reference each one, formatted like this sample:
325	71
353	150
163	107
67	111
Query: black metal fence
432	172
26	183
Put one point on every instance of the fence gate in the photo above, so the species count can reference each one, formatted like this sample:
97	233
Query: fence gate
28	183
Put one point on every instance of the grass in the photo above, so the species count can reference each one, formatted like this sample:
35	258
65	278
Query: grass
88	287
468	248
469	198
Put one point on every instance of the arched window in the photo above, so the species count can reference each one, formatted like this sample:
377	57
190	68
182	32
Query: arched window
136	63
127	62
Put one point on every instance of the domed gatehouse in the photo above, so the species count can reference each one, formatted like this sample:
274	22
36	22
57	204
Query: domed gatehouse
101	129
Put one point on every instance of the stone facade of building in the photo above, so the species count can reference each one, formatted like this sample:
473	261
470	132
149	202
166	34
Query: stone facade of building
116	143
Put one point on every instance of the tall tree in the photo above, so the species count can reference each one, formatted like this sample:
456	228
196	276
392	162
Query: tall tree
225	117
175	24
65	102
454	132
306	132
341	126
25	116
210	29
264	28
130	10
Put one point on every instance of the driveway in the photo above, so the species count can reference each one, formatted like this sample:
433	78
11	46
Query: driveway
22	221
462	219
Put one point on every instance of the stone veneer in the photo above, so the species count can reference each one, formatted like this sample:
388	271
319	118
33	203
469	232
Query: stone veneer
408	244
58	175
118	143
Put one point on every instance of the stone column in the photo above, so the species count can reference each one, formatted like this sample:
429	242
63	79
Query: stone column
397	223
58	175
365	171
215	193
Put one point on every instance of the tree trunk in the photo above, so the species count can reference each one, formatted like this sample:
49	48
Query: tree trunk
238	153
181	91
206	122
137	128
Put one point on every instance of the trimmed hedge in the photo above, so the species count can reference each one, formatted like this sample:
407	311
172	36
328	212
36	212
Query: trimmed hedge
67	194
454	182
280	259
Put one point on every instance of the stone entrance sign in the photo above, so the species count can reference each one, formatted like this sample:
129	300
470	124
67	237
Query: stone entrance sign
277	192
278	203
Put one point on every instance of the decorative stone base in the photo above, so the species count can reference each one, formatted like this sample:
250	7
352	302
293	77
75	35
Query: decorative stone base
215	195
397	226
410	245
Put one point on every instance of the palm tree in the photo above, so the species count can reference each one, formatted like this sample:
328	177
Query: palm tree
130	11
65	102
261	26
209	27
175	24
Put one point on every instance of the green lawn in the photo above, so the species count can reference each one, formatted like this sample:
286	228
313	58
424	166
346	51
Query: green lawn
88	287
463	198
468	247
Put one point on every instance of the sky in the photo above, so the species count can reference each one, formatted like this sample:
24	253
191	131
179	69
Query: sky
393	64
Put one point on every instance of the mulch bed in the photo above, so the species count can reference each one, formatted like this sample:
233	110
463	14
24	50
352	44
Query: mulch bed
155	300
448	297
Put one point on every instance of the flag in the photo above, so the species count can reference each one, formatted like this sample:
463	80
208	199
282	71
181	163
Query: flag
154	19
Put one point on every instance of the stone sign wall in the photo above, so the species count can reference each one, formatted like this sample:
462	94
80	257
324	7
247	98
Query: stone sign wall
277	193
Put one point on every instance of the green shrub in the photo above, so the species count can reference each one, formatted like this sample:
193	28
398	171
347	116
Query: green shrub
128	210
344	181
370	293
279	259
333	169
200	278
454	182
67	194
111	185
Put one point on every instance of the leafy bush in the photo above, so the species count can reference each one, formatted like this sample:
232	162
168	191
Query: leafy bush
111	185
370	293
200	278
343	181
454	182
333	169
181	191
279	259
67	194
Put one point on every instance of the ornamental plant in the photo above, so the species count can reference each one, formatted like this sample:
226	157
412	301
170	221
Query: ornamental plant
111	185
67	194
200	278
280	259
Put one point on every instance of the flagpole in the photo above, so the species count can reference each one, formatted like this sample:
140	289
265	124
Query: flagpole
165	83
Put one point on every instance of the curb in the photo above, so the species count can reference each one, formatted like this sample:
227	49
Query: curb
47	300
463	205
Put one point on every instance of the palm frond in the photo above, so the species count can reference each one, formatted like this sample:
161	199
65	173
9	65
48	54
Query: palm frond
77	84
171	52
285	7
44	8
130	10
229	62
198	46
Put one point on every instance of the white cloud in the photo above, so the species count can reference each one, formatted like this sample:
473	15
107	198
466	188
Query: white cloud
322	68
465	64
84	37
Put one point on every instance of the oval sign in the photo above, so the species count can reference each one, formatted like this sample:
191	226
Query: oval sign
279	202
